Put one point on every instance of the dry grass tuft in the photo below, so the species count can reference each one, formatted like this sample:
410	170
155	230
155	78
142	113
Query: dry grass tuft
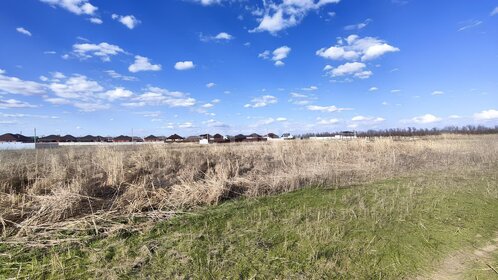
43	189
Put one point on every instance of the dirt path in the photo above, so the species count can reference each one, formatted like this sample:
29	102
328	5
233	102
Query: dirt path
455	266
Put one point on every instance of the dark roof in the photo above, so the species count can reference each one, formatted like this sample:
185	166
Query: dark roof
68	138
286	135
347	133
88	138
50	138
272	135
122	138
240	136
254	135
151	137
175	137
217	135
193	138
14	137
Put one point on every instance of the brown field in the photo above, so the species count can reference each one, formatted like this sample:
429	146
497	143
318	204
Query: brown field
79	188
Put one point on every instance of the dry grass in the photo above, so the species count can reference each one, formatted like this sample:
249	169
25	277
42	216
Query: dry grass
46	189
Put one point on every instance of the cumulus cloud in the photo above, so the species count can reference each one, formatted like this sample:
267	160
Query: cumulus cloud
118	93
22	30
210	85
96	20
278	55
184	65
328	109
424	119
91	107
76	87
366	120
485	115
143	64
276	17
78	7
350	68
373	89
129	21
103	50
215	123
13	103
155	96
116	75
353	47
15	85
261	101
222	36
322	121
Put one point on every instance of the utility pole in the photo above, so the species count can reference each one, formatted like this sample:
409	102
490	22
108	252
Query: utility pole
132	137
34	137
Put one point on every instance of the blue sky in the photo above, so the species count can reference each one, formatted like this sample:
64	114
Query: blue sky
228	66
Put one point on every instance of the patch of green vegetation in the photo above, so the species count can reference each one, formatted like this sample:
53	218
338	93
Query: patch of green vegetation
390	229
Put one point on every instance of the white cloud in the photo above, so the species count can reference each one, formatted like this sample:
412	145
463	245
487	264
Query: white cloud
351	68
373	89
91	107
222	36
17	86
281	119
358	26
215	123
437	92
366	120
262	101
76	87
264	55
210	85
485	115
22	30
494	12
354	47
278	55
424	119
279	63
103	50
310	88
157	96
328	109
96	20
454	117
277	17
184	65
327	121
118	93
395	90
143	64
186	125
129	21
470	24
13	103
116	75
79	7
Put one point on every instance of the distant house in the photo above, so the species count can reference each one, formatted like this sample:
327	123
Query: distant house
49	139
193	139
239	138
152	138
271	136
68	138
346	135
287	136
91	138
175	138
9	137
217	138
255	137
122	139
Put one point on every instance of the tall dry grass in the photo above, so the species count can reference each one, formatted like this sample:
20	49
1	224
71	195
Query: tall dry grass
41	188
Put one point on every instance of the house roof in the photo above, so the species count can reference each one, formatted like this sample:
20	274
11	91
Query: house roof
68	138
272	135
122	137
151	137
254	135
14	137
240	136
217	135
175	137
50	138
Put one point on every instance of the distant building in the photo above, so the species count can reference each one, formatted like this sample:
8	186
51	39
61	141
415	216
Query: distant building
122	139
50	139
193	139
152	138
68	138
9	137
287	136
91	138
255	137
271	136
175	138
239	138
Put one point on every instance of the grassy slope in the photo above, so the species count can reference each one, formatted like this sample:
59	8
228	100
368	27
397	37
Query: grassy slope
391	229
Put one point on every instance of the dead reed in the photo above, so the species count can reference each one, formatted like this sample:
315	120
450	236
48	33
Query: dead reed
45	189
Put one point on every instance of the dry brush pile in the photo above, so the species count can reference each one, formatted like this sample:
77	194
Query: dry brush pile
43	189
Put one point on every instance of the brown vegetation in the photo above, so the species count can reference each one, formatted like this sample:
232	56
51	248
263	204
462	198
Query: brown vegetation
40	189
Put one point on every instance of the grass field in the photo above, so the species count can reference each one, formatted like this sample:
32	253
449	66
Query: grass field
396	210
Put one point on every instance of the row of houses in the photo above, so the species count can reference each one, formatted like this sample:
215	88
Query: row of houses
202	139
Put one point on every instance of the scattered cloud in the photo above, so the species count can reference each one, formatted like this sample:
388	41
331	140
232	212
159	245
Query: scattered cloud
155	96
118	76
103	50
78	7
328	109
222	36
91	107
310	88
485	115
494	12
395	90
13	103
118	93
95	20
17	86
262	101
129	21
186	125
366	120
322	121
437	92
373	89
424	119
210	85
470	24
274	18
215	123
278	55
184	65
22	30
143	64
353	48
350	68
76	87
358	26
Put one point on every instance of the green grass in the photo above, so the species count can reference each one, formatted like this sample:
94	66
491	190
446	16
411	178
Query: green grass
391	229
